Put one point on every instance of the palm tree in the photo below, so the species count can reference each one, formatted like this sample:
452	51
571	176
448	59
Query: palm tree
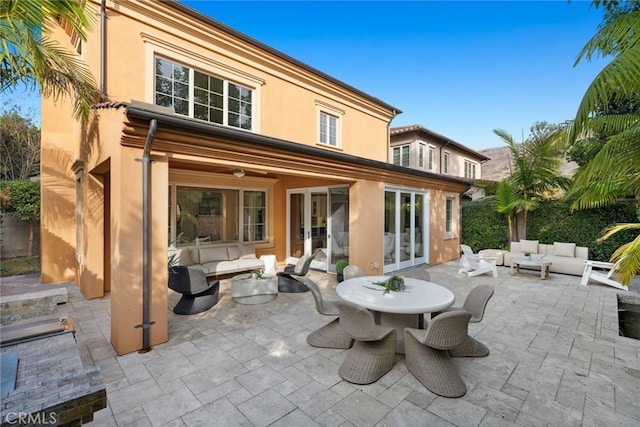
534	168
29	57
614	171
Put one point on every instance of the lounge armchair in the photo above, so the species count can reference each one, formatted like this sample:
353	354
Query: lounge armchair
198	294
475	265
427	356
330	335
374	350
287	281
600	276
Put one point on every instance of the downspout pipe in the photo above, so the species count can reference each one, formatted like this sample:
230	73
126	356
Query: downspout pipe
146	233
103	43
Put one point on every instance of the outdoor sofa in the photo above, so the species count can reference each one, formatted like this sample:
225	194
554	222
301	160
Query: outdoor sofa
566	258
216	260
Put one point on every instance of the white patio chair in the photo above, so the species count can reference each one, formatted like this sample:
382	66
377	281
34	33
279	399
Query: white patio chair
599	275
475	265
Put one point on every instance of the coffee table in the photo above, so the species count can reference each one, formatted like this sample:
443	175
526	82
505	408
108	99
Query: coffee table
248	289
544	265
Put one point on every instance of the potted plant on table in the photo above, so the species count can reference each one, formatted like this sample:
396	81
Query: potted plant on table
527	255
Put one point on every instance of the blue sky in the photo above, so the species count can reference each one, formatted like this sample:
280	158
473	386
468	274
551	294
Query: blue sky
461	69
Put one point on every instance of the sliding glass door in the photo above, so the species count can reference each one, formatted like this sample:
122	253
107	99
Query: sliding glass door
318	220
405	231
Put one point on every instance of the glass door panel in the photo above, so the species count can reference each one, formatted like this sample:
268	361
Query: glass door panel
418	249
318	224
338	238
296	225
389	237
405	237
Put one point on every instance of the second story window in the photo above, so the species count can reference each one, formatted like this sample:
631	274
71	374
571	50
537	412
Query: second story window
469	169
430	153
201	96
445	163
401	155
328	129
421	156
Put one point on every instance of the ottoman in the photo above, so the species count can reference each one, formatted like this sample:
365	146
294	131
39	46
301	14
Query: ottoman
251	289
497	254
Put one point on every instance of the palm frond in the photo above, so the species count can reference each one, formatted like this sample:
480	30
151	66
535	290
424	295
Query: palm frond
618	80
627	256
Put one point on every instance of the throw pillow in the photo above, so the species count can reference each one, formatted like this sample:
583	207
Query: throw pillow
300	264
530	246
564	249
246	249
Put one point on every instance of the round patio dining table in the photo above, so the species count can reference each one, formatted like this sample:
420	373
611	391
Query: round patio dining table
396	309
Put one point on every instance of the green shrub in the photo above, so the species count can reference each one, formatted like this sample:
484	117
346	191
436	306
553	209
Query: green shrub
482	226
552	221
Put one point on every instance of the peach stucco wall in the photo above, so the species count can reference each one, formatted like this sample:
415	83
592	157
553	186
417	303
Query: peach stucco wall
287	96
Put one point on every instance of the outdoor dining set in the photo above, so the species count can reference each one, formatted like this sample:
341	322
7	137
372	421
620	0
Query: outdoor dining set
372	320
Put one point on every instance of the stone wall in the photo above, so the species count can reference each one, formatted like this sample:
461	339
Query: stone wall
31	304
14	237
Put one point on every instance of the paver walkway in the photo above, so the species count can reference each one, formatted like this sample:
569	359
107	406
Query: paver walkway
556	360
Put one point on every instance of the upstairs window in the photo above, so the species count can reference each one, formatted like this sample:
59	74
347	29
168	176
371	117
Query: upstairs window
401	155
445	163
202	96
469	169
328	129
431	152
421	156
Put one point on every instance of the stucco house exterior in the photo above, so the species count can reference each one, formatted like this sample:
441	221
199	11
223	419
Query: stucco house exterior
209	136
418	147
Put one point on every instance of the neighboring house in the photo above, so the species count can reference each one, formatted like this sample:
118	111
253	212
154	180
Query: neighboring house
420	148
232	141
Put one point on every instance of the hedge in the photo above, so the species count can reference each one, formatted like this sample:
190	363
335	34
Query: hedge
552	221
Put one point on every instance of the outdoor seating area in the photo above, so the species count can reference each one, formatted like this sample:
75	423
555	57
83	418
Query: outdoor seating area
555	358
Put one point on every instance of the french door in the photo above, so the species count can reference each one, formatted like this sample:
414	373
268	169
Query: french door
318	220
405	238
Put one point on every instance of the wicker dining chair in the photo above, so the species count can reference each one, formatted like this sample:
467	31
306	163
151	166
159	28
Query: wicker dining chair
330	335
475	303
351	271
373	352
427	356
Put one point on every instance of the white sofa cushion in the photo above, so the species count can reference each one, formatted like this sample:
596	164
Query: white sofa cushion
564	249
530	246
182	256
214	253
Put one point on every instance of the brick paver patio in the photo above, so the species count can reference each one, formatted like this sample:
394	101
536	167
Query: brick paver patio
556	359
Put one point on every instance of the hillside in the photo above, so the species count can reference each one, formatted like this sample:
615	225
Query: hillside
498	167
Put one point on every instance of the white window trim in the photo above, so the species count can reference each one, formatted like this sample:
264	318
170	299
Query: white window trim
446	158
431	151
157	47
174	190
474	168
401	147
454	229
338	113
421	155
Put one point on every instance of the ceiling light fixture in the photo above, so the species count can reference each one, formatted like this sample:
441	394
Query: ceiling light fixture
238	173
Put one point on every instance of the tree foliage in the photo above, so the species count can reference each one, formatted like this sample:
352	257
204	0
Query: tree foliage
28	55
19	145
614	172
21	199
534	169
